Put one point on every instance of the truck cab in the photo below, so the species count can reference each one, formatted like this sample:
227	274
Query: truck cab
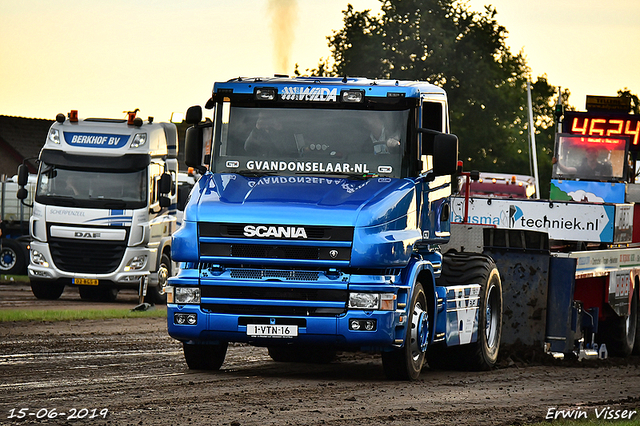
316	223
104	207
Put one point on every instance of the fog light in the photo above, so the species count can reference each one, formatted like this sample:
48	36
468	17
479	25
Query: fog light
362	325
182	319
184	295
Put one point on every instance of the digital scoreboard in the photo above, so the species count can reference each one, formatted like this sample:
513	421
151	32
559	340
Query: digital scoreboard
604	125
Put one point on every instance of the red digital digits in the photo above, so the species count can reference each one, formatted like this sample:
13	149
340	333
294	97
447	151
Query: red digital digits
607	127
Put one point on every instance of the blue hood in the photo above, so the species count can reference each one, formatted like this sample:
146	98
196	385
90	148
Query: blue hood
301	200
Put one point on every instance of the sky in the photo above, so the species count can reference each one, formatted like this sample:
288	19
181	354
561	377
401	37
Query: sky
106	57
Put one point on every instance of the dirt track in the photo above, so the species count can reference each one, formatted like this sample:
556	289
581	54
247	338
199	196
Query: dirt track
135	371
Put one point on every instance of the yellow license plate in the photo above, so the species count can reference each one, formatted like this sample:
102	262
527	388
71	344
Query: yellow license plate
85	281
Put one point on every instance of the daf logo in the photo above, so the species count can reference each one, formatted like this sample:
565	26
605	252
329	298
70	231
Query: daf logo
79	234
264	231
333	253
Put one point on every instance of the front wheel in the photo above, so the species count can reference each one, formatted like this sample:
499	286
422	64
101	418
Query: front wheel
205	357
406	363
47	291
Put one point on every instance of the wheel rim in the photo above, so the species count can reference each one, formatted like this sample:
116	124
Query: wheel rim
7	259
491	320
419	332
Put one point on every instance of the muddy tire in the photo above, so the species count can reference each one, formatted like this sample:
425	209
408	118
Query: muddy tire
473	268
205	357
406	363
46	290
620	333
98	294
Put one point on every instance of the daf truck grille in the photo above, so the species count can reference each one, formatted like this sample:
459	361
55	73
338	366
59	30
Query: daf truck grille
90	257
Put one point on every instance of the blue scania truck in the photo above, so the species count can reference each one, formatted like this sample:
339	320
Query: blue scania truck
316	227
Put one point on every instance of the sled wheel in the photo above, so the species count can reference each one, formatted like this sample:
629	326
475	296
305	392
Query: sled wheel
620	333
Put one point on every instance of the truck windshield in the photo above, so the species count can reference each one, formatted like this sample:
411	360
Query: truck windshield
292	141
84	188
590	158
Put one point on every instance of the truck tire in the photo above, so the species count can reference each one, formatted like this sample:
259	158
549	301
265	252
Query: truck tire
305	354
154	293
473	268
12	258
636	348
46	290
620	333
98	294
204	357
406	363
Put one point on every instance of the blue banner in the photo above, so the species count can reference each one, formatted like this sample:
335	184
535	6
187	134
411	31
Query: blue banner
96	140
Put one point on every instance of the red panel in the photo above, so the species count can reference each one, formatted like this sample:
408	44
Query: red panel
592	292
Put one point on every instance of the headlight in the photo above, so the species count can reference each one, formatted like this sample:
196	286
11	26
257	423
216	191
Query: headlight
372	301
140	139
38	258
183	295
54	136
136	263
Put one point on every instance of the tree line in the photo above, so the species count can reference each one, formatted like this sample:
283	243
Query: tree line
464	52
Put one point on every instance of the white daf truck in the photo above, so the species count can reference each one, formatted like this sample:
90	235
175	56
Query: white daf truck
104	208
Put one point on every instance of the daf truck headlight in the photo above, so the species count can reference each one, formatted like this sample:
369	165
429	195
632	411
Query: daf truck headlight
136	263
184	295
140	139
38	258
372	301
54	136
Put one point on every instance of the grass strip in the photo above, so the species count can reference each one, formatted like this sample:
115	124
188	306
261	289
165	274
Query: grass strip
73	314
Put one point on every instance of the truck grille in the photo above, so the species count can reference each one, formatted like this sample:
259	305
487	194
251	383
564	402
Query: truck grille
90	257
289	297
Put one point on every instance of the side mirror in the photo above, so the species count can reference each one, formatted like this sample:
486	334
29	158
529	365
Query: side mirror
22	193
194	115
445	154
193	147
164	201
164	184
23	175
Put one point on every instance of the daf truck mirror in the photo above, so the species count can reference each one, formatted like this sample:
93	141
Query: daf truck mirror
164	184
193	147
445	154
194	115
164	201
22	193
23	175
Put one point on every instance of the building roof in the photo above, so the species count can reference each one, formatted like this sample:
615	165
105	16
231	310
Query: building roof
20	139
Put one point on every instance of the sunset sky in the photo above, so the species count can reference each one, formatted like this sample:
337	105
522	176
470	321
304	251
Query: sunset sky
163	56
